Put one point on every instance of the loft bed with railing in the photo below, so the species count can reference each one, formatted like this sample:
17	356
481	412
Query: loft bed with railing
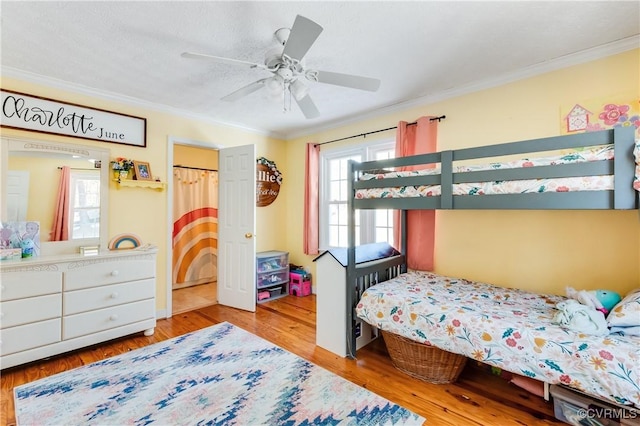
595	170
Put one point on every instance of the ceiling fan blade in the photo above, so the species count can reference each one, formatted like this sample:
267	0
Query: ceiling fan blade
307	107
348	80
220	59
303	34
244	91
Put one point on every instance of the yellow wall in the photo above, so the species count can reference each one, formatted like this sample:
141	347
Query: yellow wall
535	250
144	209
195	157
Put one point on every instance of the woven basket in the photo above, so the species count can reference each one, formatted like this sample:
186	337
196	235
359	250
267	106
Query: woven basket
423	362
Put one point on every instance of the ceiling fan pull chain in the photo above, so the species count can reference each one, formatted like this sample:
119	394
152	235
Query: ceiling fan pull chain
284	98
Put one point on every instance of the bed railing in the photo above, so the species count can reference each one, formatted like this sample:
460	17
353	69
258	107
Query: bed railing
361	277
623	196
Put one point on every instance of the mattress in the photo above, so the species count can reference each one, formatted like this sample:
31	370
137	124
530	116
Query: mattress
636	154
504	327
570	184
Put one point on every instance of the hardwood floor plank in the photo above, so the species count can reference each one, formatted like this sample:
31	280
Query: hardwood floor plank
478	398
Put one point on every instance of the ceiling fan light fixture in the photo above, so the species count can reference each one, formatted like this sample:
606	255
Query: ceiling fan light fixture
282	35
286	63
273	58
298	89
274	84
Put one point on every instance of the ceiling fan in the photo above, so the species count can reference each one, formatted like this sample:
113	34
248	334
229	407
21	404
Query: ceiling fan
285	63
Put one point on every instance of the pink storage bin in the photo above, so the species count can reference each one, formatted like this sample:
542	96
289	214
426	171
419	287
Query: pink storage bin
299	284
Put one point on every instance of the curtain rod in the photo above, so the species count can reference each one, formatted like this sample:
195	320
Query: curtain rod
81	168
364	135
194	168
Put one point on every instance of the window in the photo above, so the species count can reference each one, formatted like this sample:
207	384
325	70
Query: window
84	204
371	225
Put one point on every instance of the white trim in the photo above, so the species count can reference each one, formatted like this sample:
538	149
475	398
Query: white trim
566	61
366	150
171	142
587	55
128	100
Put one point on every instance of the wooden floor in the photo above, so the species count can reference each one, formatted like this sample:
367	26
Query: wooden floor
478	398
194	297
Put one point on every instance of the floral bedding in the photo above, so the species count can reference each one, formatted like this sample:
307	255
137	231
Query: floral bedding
636	153
508	328
584	183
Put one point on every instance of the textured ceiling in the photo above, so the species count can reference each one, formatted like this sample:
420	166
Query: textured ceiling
418	49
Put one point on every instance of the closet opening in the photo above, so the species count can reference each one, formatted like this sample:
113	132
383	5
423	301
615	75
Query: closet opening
194	277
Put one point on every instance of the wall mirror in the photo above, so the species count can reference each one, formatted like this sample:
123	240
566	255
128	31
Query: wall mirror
31	174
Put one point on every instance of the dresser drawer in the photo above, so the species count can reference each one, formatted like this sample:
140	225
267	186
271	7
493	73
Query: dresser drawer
31	309
109	271
89	299
104	319
16	285
29	336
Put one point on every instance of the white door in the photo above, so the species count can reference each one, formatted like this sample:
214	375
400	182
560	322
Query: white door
236	227
17	195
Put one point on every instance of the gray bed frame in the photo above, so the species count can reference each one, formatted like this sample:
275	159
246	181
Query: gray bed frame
623	196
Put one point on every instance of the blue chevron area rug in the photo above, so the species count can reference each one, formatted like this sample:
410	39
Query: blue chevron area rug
220	375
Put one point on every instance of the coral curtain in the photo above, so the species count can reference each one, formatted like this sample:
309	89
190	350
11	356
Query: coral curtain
60	231
195	227
420	138
311	200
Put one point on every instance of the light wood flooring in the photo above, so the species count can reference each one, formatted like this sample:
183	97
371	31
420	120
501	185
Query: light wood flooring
478	398
194	297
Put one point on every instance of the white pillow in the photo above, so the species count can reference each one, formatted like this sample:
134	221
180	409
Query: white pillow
627	312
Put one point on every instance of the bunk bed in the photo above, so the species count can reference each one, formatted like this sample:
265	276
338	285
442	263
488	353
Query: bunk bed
607	161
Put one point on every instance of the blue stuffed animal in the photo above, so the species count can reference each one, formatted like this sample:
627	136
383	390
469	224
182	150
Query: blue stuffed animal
609	299
601	300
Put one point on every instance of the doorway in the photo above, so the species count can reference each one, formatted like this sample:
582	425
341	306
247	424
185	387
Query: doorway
195	233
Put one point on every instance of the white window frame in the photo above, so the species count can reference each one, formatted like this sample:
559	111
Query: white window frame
74	176
365	218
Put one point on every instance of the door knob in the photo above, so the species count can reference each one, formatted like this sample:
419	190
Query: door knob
248	235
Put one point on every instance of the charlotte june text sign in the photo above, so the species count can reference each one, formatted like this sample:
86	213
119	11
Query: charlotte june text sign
21	111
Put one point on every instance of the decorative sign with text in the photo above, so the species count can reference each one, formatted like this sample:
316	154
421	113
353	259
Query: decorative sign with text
25	112
268	181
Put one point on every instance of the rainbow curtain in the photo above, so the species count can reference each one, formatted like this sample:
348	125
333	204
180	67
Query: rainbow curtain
195	227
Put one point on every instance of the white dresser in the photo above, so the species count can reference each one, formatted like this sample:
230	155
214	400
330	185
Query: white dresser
50	305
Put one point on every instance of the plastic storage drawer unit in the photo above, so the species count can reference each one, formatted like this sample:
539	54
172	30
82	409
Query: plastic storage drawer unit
579	409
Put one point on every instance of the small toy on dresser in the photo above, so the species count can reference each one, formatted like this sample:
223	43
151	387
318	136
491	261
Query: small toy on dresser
10	253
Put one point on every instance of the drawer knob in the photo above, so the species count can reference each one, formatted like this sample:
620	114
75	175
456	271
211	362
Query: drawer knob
114	295
114	273
113	317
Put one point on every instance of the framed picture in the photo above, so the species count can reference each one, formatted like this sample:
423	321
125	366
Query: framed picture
142	170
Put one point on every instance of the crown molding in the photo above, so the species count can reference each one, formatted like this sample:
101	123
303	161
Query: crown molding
566	61
577	58
128	100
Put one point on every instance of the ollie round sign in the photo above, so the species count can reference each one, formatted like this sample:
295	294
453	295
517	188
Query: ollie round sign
268	181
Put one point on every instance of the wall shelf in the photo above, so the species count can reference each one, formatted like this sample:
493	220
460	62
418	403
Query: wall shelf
151	184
